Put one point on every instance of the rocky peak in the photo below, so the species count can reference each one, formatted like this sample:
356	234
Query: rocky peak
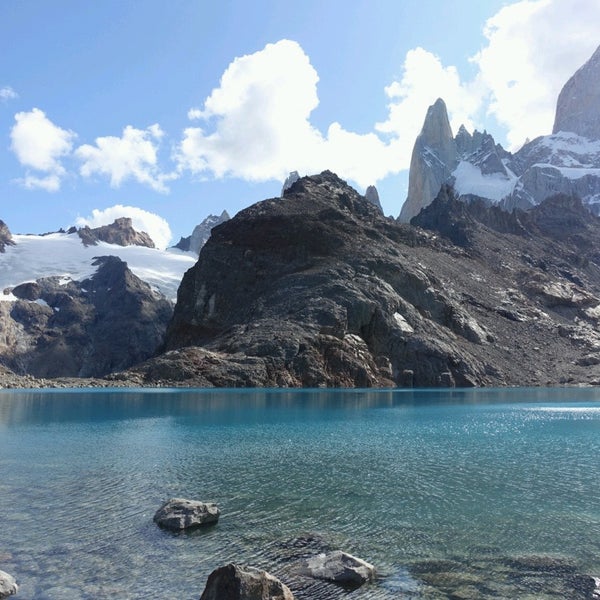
193	243
5	236
434	157
121	233
578	105
289	181
372	195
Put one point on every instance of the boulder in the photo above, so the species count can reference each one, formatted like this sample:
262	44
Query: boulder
178	513
233	582
8	585
339	567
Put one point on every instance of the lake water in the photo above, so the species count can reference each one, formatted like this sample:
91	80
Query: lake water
450	494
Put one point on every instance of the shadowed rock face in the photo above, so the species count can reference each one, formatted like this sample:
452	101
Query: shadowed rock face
201	233
319	289
85	329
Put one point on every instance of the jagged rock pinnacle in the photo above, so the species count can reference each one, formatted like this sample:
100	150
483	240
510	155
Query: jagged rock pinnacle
433	159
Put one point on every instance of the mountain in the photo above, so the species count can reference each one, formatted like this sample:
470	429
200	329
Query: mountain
323	290
88	328
372	195
72	305
567	162
193	243
5	236
120	232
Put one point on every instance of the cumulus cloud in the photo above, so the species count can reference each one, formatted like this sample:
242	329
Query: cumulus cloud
7	93
39	144
256	124
142	220
424	80
533	48
131	156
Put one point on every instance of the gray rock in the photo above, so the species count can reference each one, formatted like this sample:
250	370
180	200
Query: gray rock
232	582
339	567
201	233
578	102
289	181
5	236
8	585
179	513
372	195
434	157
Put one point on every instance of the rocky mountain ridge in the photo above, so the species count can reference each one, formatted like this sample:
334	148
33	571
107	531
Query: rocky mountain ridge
568	161
322	290
120	232
194	242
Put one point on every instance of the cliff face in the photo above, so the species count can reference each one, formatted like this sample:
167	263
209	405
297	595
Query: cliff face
82	329
121	232
319	289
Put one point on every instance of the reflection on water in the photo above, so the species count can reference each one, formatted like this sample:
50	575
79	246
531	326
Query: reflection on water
460	493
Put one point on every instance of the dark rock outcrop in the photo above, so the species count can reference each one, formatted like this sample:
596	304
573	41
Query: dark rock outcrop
5	236
233	582
85	329
179	513
121	233
319	289
193	243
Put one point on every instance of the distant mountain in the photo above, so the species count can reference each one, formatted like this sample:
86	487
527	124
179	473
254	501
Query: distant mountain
568	161
74	305
193	243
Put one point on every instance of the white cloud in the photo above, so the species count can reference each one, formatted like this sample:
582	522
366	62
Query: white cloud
533	49
131	156
154	225
7	93
260	129
39	144
424	80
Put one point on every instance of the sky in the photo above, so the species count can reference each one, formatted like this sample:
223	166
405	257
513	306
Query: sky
170	111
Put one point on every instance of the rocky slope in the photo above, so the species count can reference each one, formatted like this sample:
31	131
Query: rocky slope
89	328
568	161
319	289
5	236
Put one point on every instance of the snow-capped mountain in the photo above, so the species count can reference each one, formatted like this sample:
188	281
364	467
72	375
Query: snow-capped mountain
568	161
64	255
193	243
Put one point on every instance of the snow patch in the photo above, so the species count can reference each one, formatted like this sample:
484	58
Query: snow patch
63	255
470	180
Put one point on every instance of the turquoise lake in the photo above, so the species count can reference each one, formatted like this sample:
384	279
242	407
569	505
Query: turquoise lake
449	493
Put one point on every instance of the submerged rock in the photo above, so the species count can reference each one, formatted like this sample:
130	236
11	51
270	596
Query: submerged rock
179	513
233	582
8	585
339	567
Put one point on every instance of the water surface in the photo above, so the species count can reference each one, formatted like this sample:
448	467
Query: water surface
472	494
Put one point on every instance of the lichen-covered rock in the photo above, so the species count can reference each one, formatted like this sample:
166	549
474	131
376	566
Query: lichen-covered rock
179	513
8	585
339	567
232	582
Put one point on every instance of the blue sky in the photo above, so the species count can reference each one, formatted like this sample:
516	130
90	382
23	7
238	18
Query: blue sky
186	108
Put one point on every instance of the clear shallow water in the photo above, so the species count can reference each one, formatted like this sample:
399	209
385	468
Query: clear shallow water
451	494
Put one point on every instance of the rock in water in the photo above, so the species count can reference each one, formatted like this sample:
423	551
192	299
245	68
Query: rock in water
578	105
232	582
433	159
8	585
339	567
178	513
